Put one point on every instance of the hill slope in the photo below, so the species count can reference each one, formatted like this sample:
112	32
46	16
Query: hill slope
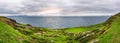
112	34
10	35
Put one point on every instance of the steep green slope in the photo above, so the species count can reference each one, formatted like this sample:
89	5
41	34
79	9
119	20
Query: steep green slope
112	34
9	32
10	35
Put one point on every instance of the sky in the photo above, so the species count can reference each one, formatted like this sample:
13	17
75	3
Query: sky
59	7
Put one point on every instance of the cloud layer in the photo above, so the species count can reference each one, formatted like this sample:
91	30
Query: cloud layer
60	7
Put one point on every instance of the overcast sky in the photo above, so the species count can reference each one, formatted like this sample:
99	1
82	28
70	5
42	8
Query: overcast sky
59	7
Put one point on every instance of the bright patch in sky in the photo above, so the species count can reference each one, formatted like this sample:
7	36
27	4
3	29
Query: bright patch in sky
50	10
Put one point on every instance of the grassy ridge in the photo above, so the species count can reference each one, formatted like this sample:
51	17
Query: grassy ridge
112	35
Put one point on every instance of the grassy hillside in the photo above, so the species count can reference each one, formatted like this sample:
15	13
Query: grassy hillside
10	35
13	32
112	34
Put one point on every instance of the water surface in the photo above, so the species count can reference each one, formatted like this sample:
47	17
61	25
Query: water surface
60	22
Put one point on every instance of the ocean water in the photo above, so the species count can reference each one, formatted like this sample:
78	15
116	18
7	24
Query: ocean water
60	22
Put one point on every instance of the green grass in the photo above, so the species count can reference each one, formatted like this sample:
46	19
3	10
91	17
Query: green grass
112	35
83	29
10	35
77	30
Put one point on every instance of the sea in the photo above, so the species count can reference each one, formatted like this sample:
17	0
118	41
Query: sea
60	21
